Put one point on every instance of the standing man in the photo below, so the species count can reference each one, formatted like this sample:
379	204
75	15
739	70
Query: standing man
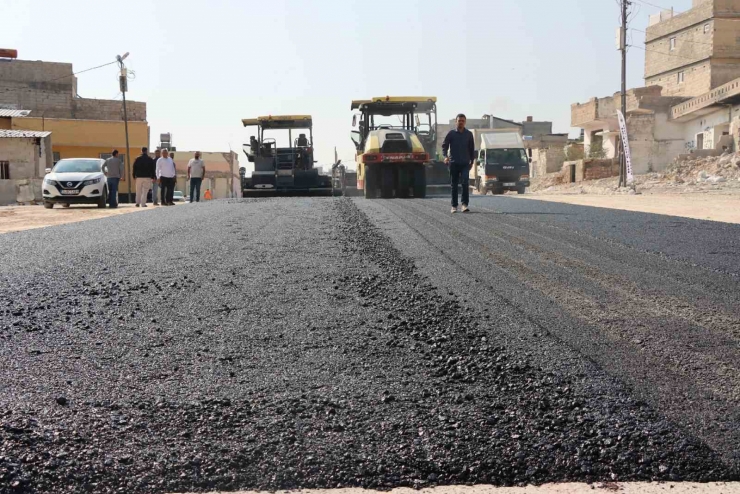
155	182
144	174
196	173
458	149
113	167
166	177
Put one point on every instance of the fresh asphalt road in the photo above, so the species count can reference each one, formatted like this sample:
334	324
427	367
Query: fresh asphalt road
325	342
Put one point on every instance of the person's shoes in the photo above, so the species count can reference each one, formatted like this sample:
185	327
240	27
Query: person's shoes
155	204
137	205
453	210
143	205
465	208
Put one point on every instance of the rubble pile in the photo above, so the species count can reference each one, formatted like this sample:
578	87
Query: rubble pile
710	170
695	174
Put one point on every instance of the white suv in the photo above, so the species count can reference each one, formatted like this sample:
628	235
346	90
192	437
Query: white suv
76	181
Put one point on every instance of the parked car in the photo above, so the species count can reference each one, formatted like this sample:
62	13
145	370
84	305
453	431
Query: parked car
75	181
178	196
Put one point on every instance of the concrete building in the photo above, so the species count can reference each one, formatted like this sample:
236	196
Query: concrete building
49	90
692	91
691	53
655	139
45	97
222	173
24	157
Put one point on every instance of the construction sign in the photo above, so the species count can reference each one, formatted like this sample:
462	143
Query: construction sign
625	146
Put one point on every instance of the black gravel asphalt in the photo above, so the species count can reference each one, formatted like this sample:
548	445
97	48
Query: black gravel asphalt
287	343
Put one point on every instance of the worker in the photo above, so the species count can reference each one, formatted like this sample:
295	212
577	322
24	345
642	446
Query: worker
166	177
458	149
155	183
254	145
196	174
208	196
113	168
144	175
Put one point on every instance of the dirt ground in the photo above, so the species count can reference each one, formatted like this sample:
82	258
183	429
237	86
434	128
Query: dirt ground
16	218
723	207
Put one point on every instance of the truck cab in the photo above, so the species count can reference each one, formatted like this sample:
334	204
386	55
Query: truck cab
502	164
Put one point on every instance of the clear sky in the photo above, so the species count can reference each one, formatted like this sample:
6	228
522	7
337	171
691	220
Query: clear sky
202	66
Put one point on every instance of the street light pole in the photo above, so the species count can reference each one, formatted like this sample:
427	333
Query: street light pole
123	82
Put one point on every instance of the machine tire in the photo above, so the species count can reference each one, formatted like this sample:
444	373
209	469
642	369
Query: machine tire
48	204
387	182
520	190
103	199
420	182
371	184
497	192
405	181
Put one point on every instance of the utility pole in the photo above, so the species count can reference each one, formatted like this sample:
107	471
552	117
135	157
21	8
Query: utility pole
623	48
123	82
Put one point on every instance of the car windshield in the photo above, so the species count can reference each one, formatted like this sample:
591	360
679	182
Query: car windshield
506	157
77	166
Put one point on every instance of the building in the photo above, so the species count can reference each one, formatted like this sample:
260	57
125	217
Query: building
691	53
691	99
24	158
45	97
49	90
222	173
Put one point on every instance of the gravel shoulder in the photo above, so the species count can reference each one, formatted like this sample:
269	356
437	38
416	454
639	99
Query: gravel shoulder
300	343
714	207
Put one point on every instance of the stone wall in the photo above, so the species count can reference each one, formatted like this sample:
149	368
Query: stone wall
49	90
26	168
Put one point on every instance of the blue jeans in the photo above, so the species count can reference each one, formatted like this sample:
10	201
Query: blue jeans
459	175
113	192
155	192
195	189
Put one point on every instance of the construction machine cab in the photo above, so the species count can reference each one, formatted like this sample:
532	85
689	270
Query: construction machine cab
417	114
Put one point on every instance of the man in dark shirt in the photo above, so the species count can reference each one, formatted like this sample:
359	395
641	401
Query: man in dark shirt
144	174
458	149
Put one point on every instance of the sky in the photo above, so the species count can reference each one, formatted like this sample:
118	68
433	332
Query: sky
202	66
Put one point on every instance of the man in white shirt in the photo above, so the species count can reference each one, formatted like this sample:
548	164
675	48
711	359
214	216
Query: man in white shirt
196	173
166	177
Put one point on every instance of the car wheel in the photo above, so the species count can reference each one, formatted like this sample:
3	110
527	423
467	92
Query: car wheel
48	204
103	199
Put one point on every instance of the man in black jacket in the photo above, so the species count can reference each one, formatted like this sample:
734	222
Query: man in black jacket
459	152
144	174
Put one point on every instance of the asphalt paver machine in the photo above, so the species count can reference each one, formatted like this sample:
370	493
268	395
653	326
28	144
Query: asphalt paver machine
283	170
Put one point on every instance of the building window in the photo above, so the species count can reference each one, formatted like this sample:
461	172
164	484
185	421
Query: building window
672	44
681	77
706	28
56	157
4	170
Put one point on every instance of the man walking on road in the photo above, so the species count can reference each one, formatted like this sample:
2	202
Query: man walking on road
155	183
459	152
196	173
144	174
113	167
166	177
